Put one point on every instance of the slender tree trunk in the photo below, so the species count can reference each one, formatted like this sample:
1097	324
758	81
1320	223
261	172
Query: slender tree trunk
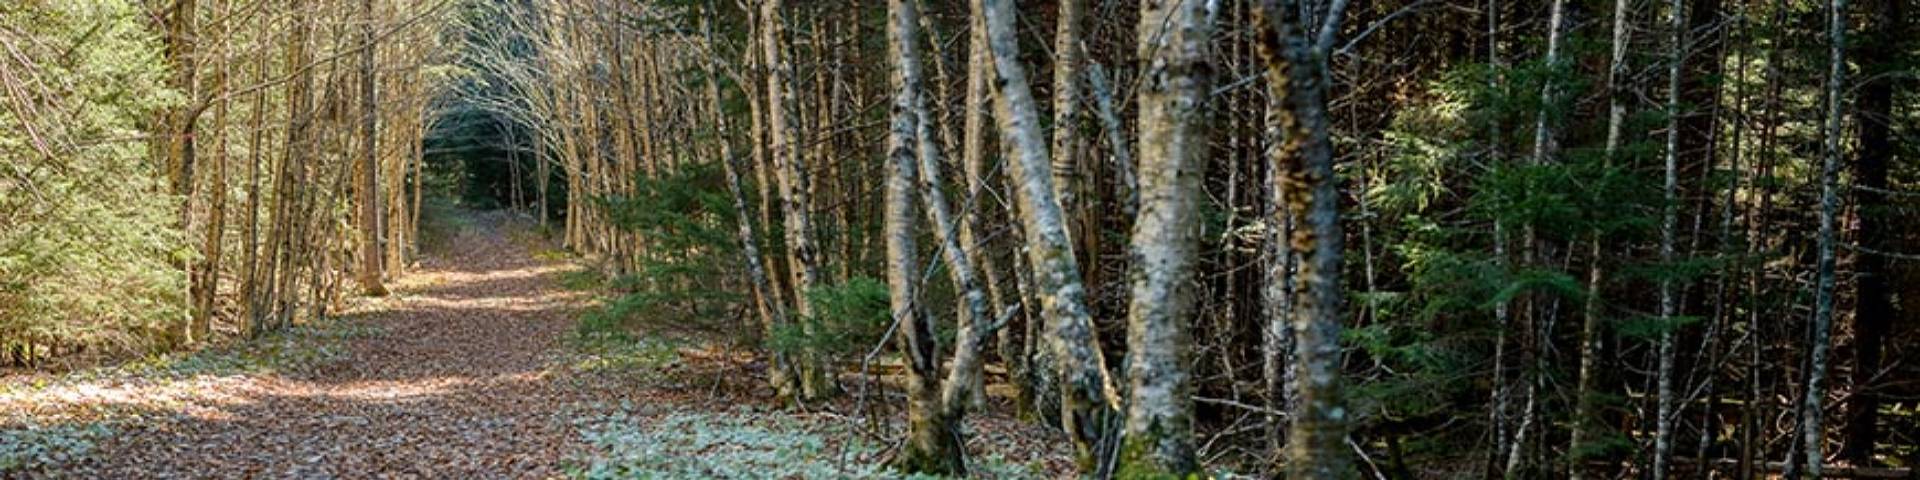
773	314
1534	321
181	23
1277	340
931	445
1501	392
369	189
207	285
964	387
795	190
250	244
974	211
1302	166
1669	230
1173	152
1813	428
1087	393
1586	409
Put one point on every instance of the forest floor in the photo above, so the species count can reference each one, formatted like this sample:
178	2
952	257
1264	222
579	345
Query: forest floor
472	368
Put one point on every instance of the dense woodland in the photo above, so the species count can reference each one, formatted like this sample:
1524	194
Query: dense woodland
1278	238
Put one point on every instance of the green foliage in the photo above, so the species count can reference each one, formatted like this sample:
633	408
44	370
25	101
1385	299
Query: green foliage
611	349
88	245
31	448
741	443
291	348
690	275
582	279
1459	164
847	318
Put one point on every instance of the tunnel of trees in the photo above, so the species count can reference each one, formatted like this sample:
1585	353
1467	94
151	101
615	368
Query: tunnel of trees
1300	238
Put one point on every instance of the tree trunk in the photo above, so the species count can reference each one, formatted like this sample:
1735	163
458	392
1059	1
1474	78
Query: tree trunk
773	314
931	445
1173	153
1873	309
1813	429
1586	408
1087	393
182	39
1302	165
1669	230
207	284
973	210
369	188
783	129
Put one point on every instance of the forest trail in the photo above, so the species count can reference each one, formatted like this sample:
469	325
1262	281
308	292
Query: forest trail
457	380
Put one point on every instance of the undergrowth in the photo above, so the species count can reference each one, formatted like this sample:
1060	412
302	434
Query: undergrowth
295	347
742	443
32	448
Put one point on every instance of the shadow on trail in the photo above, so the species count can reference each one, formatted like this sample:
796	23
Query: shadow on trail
460	380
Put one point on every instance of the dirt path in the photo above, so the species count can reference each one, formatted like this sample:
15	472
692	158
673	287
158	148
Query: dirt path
456	382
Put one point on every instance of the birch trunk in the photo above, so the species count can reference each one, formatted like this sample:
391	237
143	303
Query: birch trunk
1173	152
931	445
795	199
773	313
973	162
1812	427
1669	230
1087	393
1586	410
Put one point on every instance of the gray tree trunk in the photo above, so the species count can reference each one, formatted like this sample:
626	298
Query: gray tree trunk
772	313
369	188
1087	393
1302	165
1813	430
1586	409
1158	435
1669	231
795	199
931	445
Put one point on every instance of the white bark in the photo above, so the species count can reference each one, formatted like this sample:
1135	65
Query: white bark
795	199
1087	392
929	446
1173	152
1812	428
1669	230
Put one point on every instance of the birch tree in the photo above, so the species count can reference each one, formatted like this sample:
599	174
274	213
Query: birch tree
1586	410
794	187
1088	397
1812	425
1158	432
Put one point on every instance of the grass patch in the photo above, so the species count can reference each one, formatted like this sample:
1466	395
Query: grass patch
742	443
600	344
643	356
581	279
